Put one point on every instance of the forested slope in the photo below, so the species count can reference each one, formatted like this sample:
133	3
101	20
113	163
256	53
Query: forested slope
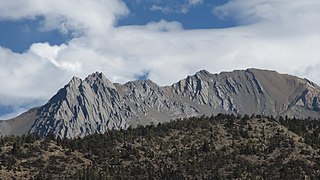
223	146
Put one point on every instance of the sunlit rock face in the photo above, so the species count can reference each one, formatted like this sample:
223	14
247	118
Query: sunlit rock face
95	104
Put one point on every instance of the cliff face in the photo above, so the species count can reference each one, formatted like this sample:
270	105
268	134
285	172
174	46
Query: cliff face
95	104
83	107
252	91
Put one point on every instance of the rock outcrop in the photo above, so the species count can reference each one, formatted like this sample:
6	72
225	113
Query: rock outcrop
95	104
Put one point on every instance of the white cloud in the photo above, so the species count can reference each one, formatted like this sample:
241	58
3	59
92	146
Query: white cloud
94	16
278	35
189	4
281	12
175	6
163	9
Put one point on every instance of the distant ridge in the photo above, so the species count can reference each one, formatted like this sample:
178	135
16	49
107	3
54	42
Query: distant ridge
95	104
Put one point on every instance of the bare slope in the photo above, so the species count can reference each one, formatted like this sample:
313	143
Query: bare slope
95	104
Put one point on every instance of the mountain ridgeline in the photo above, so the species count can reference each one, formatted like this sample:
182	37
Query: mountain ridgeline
95	104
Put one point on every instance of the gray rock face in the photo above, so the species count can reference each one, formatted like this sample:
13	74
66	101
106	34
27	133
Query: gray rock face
95	105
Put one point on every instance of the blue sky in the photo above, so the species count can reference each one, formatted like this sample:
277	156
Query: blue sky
44	43
199	16
20	34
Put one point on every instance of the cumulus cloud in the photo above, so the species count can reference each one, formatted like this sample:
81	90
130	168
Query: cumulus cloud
77	16
272	34
291	14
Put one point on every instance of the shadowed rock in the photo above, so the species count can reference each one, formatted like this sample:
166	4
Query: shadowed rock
95	104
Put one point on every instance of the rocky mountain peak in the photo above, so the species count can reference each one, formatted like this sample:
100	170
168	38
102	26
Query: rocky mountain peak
203	73
98	78
195	85
75	81
65	92
95	104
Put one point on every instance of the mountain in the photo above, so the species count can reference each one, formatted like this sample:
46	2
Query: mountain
95	104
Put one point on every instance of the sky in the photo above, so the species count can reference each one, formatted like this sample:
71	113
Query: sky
43	44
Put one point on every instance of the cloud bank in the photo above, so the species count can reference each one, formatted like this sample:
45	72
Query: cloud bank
271	34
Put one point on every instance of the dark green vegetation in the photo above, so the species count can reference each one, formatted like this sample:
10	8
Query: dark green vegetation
220	147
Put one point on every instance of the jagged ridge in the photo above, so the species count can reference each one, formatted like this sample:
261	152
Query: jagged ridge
95	104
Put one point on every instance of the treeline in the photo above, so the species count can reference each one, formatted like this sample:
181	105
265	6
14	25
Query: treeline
216	147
